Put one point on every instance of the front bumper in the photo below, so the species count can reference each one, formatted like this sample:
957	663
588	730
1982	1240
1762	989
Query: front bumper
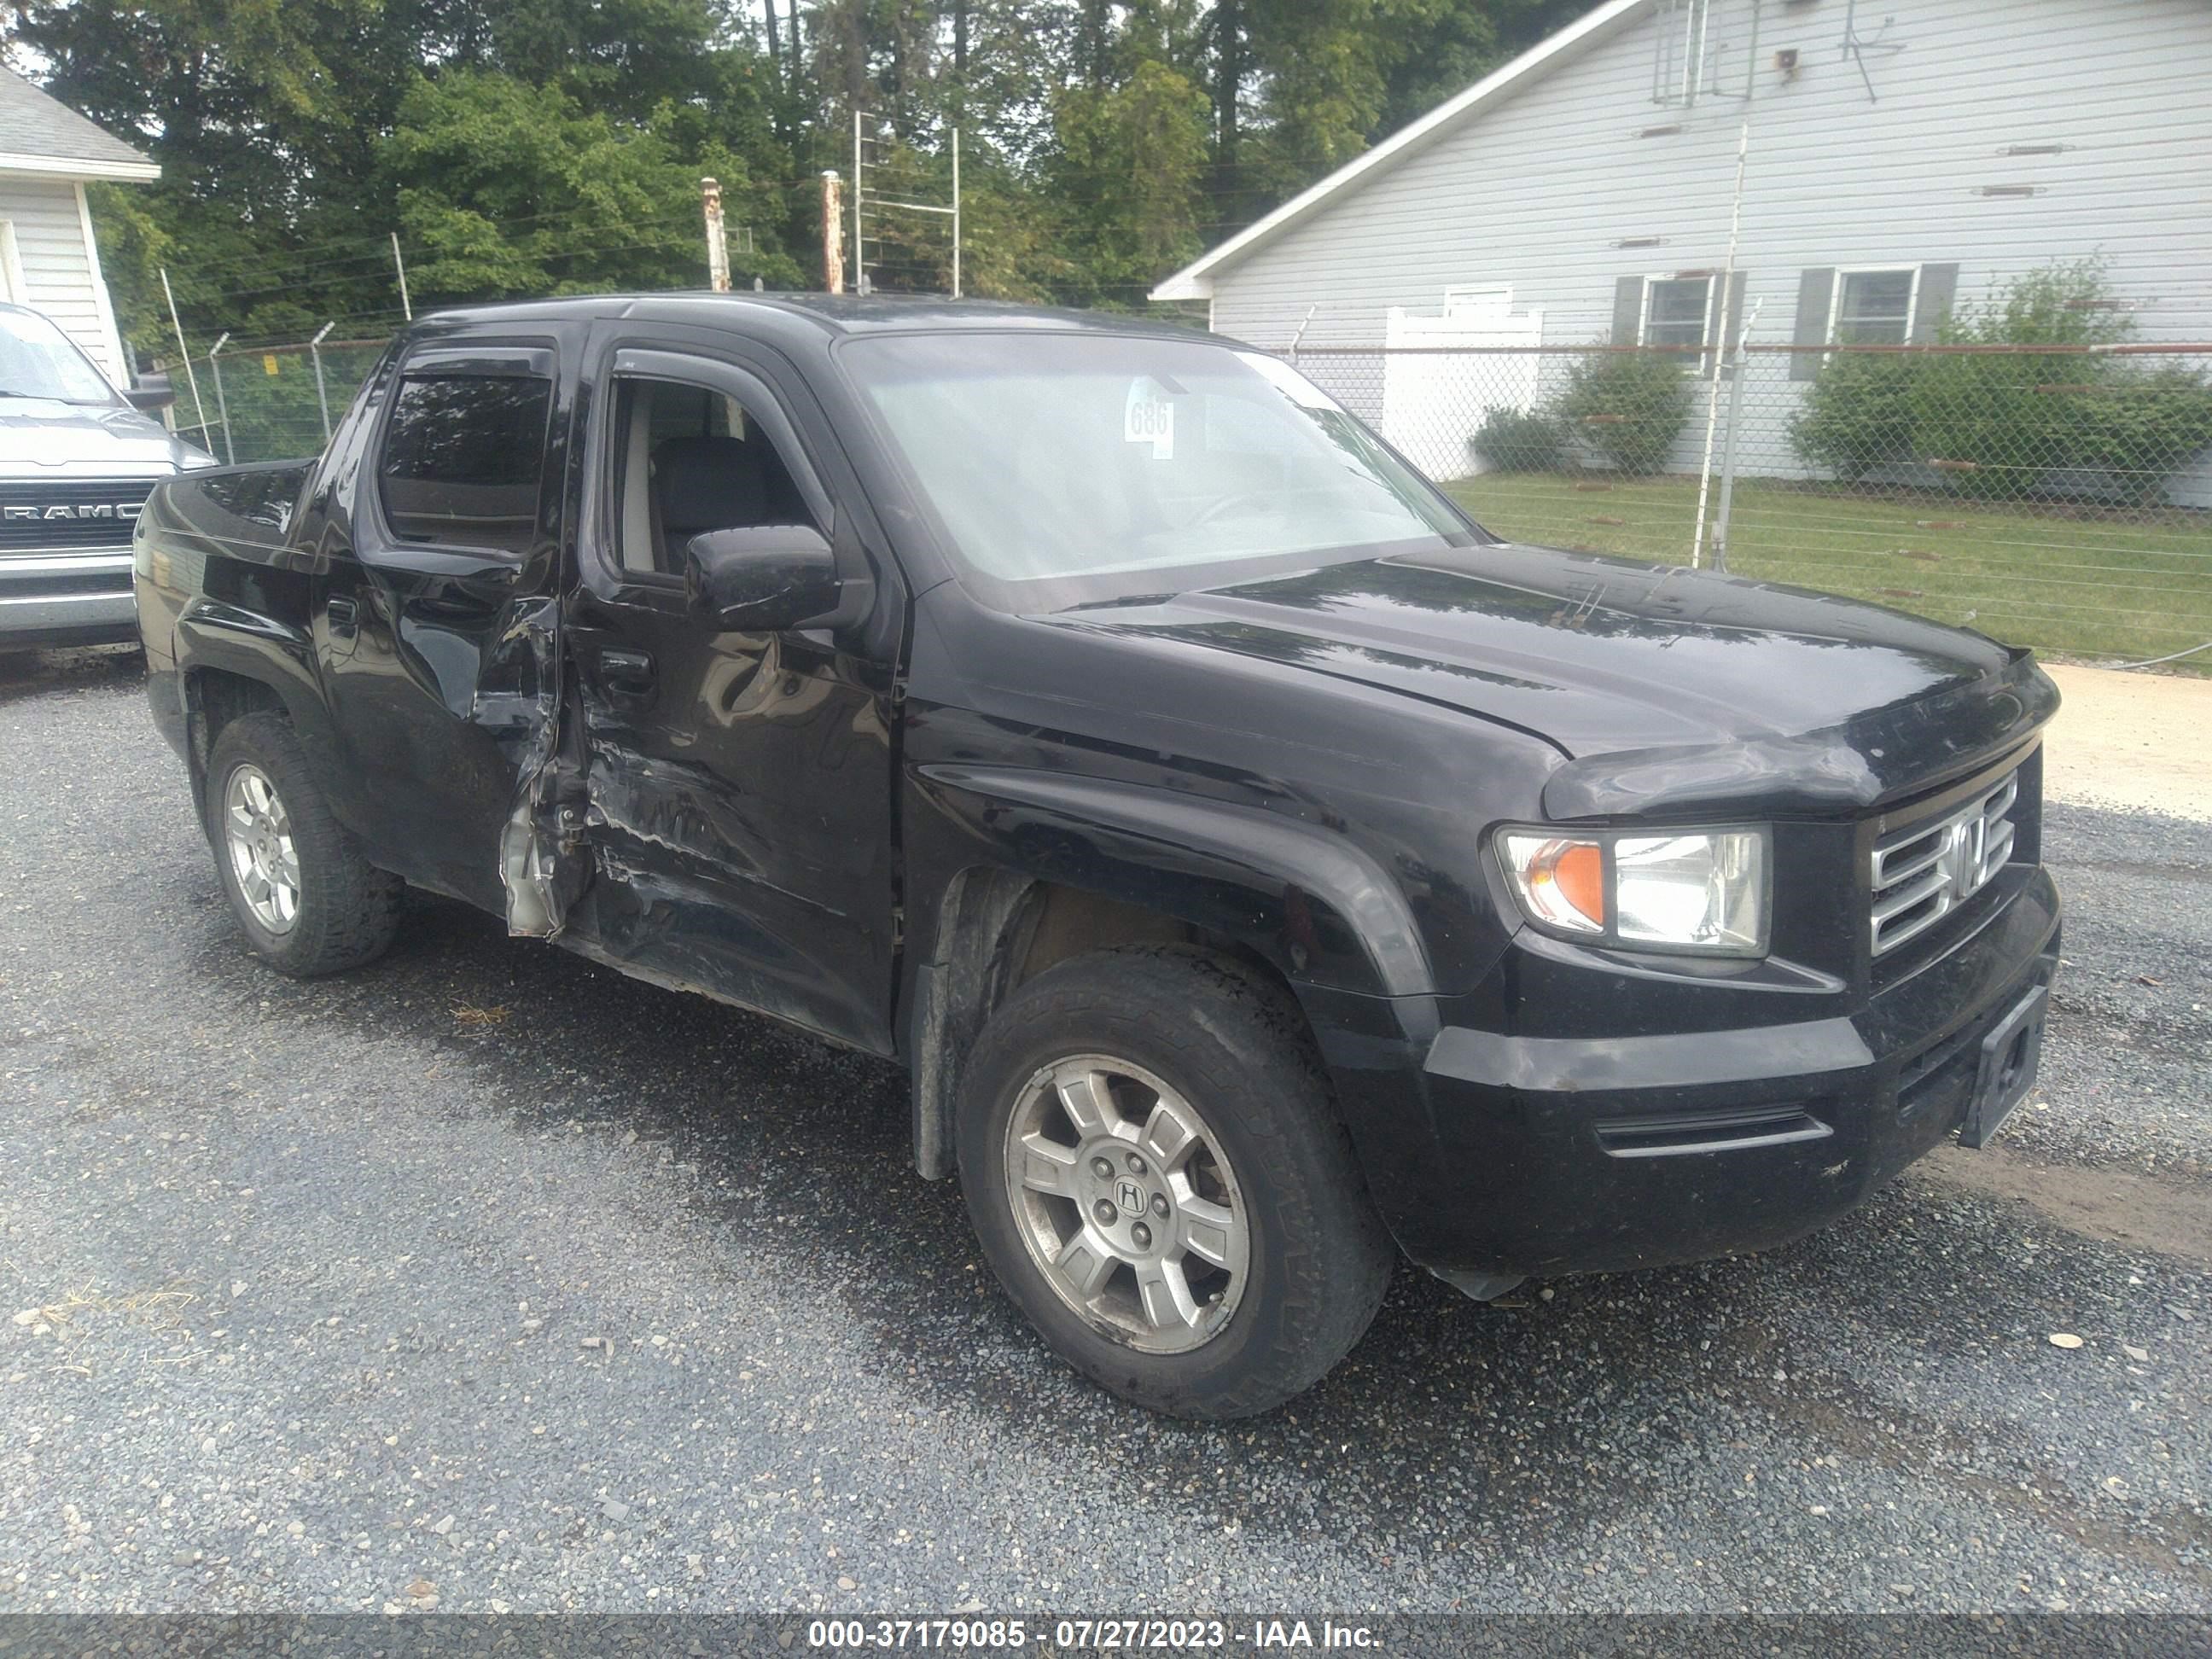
1494	1155
67	598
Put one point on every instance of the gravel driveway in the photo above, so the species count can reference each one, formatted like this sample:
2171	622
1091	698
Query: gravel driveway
487	1279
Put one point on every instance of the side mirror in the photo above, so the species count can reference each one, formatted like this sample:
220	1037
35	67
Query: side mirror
761	577
151	395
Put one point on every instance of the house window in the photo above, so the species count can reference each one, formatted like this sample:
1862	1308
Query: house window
1677	312
1874	307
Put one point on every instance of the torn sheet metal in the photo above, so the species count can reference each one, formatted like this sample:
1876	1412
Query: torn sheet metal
543	863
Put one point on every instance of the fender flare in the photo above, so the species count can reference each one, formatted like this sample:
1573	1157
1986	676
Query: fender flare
215	636
1321	910
1108	836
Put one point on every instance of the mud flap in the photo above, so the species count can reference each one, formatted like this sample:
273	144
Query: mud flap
544	864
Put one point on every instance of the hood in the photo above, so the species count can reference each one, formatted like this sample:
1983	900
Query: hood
40	437
1664	688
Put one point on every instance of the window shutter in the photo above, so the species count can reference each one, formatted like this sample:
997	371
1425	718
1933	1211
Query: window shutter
1627	310
1816	293
1939	290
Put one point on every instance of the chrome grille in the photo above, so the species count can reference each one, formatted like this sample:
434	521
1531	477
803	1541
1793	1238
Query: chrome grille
1923	873
69	511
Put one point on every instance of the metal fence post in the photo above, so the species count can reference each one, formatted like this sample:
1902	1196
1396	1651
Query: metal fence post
322	392
222	405
184	351
1729	446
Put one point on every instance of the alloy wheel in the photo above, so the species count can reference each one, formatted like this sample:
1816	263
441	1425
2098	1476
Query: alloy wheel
1127	1203
257	837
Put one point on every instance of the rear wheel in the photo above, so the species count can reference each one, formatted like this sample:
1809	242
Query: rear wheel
307	901
1159	1179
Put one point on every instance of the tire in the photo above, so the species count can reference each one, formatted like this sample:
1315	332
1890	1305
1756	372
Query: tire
1268	1302
345	910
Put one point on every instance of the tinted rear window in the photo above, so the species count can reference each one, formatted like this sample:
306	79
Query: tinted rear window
463	456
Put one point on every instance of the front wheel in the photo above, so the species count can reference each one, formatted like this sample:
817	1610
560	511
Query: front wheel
1160	1180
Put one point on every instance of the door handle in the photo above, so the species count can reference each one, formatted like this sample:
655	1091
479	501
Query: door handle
629	672
345	615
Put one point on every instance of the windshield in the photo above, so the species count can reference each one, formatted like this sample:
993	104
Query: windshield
1060	458
37	360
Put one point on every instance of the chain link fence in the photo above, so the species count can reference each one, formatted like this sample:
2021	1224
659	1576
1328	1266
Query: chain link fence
268	403
2054	496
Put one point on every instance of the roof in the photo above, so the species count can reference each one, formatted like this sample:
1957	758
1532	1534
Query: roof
38	133
1195	281
830	313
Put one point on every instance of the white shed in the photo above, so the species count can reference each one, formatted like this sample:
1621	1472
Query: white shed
48	259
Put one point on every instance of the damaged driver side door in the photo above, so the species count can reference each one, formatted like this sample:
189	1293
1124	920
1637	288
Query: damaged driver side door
738	777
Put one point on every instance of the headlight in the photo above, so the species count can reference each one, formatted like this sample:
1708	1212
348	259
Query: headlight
1699	891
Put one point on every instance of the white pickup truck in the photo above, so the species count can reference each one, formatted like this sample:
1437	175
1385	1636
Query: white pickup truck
76	463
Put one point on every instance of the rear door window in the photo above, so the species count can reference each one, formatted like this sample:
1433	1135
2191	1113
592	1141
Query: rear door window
463	459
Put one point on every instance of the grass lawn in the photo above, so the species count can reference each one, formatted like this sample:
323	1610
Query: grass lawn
2096	585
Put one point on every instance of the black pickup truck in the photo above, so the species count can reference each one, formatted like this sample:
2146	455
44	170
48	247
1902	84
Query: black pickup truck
1260	870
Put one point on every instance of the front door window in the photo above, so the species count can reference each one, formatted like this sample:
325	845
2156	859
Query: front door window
689	461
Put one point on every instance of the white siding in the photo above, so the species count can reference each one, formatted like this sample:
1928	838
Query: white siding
59	273
1535	193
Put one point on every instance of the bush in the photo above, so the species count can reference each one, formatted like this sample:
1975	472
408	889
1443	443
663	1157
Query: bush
1627	406
1857	416
1982	422
2001	425
1520	441
2142	427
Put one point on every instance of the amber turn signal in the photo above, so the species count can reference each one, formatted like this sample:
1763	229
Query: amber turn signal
1559	881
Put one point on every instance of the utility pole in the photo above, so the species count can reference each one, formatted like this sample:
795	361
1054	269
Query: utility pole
833	251
183	350
400	265
718	245
955	213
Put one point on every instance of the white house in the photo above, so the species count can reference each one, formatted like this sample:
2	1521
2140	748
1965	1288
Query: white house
48	259
1903	155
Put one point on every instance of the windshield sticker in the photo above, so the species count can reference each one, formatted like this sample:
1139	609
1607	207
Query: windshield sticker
1148	417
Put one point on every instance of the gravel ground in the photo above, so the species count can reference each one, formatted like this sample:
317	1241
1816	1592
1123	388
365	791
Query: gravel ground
487	1279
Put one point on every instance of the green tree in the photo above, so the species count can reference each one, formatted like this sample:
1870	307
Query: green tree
1131	164
264	117
506	189
534	146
